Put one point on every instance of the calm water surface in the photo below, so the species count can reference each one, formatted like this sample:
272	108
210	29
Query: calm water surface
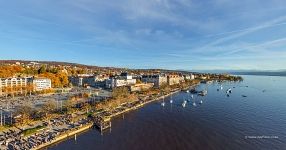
255	122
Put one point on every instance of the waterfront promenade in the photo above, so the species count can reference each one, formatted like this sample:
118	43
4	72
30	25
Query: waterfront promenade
107	116
62	127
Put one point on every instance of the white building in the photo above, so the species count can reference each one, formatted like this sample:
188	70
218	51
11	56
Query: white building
118	82
189	76
192	76
175	79
12	82
158	80
123	80
42	84
126	76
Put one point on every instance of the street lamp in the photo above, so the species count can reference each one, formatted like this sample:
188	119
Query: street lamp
1	115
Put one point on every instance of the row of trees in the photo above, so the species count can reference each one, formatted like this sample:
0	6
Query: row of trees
120	95
17	90
27	113
9	71
53	108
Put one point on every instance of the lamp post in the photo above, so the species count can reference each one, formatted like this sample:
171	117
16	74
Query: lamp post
11	118
1	116
61	105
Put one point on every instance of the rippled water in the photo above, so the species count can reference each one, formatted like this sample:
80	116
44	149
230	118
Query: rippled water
220	123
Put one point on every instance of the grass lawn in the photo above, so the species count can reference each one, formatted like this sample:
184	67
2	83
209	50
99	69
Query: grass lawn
31	131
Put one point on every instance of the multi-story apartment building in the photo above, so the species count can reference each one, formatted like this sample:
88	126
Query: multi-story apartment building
80	79
41	84
18	84
12	82
175	79
117	81
89	80
189	76
157	79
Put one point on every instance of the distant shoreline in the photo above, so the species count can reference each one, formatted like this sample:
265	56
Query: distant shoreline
282	74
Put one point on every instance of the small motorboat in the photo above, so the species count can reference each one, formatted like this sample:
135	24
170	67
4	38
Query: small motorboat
163	102
201	102
228	90
194	91
171	101
203	93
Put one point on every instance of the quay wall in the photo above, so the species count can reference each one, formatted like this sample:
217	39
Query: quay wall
64	136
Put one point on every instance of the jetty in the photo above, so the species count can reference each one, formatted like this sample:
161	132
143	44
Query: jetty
102	123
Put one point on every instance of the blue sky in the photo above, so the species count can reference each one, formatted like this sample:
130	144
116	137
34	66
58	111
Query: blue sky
171	34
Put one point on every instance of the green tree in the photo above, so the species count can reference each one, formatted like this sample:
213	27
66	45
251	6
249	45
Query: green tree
42	69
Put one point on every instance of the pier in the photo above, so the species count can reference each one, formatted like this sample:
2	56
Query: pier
102	123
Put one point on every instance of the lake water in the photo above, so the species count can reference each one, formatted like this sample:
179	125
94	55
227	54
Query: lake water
255	122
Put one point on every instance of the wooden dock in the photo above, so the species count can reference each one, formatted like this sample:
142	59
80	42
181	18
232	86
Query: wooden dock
102	123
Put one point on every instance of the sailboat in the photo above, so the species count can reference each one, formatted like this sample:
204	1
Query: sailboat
184	103
203	93
171	100
188	99
163	103
194	103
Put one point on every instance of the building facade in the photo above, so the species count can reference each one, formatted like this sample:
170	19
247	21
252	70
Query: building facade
175	79
157	80
119	82
89	80
12	82
124	79
42	84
